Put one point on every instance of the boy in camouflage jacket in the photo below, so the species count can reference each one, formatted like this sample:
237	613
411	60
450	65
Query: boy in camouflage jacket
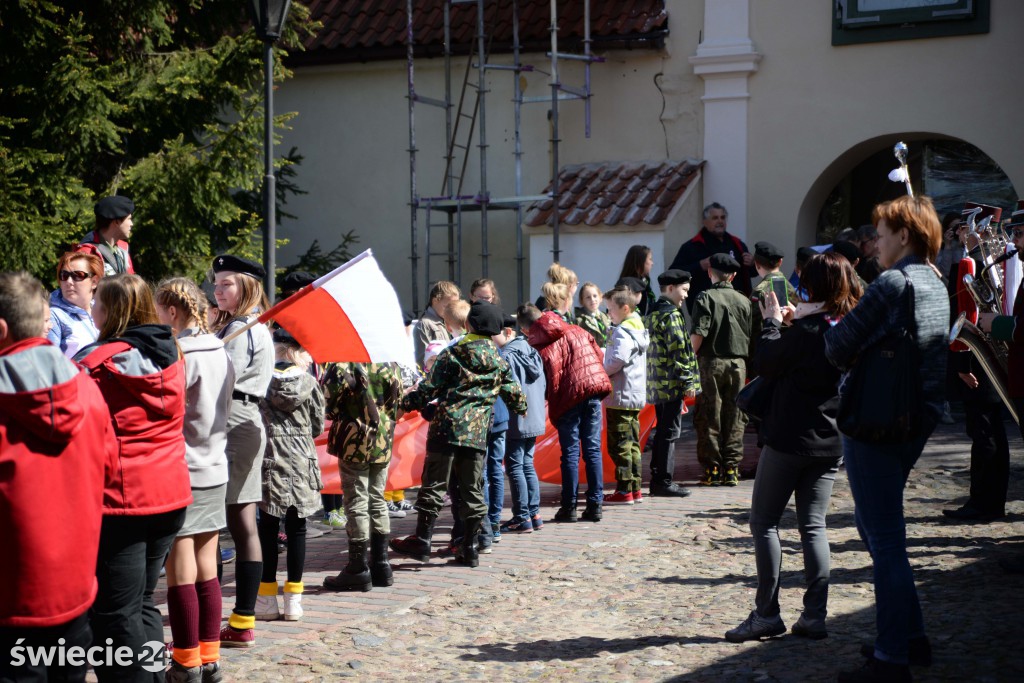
465	379
672	375
363	403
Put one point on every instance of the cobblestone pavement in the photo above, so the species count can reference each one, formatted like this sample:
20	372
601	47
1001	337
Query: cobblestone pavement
647	594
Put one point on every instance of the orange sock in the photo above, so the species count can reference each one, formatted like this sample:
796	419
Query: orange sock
188	657
209	651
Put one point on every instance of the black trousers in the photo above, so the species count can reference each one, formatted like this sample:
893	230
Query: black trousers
16	665
669	417
295	529
990	456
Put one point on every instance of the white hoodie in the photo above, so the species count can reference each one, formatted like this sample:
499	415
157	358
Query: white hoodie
209	381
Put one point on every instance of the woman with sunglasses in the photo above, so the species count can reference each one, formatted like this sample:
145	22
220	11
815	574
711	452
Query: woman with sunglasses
71	323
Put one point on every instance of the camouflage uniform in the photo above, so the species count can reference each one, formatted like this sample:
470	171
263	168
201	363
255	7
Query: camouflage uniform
465	379
598	324
363	402
671	373
724	317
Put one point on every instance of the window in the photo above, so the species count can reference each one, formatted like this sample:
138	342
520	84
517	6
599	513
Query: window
870	21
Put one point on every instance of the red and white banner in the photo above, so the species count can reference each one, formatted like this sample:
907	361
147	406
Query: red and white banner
351	314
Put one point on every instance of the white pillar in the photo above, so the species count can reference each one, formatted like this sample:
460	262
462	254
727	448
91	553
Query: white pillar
725	59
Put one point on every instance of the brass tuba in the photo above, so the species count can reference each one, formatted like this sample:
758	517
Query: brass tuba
992	363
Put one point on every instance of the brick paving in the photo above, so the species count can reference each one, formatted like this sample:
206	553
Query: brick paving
647	593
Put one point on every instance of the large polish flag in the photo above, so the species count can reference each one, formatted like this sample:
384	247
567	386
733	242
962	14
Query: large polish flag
351	314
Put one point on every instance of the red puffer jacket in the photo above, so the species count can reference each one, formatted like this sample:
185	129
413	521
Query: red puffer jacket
142	378
573	365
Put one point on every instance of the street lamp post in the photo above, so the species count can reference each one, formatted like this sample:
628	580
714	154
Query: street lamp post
268	17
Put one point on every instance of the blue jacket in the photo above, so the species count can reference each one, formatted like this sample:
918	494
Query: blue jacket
71	327
528	369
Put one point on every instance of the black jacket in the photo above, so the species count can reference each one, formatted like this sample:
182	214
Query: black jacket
801	419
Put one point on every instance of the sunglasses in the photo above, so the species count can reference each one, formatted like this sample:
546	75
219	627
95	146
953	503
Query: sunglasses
76	275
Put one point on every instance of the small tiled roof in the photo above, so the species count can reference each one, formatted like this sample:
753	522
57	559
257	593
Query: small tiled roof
361	30
616	193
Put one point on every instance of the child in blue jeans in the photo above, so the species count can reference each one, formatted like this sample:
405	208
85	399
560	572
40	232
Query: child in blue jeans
528	370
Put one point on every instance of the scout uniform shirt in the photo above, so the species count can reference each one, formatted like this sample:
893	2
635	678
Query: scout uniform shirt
724	318
362	401
671	363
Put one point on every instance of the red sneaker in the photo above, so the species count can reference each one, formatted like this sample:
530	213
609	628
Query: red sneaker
619	498
230	637
638	497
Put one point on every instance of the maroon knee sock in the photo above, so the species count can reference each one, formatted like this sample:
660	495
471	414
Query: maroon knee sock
208	593
183	609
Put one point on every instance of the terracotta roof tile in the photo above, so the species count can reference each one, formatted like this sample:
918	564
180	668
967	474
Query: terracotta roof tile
614	193
360	30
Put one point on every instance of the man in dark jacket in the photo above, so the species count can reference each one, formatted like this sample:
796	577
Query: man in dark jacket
576	383
694	256
56	443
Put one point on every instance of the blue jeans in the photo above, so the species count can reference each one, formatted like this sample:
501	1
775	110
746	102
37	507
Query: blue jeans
580	428
878	473
522	479
494	477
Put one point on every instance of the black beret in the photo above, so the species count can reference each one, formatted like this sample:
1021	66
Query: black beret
238	264
633	284
867	231
803	254
724	263
846	249
296	280
674	277
509	321
113	208
485	318
283	336
767	251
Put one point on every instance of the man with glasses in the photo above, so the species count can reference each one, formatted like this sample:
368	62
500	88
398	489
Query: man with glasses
109	240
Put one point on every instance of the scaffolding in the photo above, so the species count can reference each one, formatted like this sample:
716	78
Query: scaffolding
444	212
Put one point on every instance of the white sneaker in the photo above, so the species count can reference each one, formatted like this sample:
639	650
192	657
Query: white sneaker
336	520
395	511
292	606
406	506
266	608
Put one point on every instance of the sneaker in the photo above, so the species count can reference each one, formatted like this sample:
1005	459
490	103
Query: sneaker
514	526
496	533
638	497
538	523
314	530
592	513
809	630
755	627
405	505
710	477
670	491
212	673
731	477
336	519
230	637
394	511
266	608
179	674
566	515
484	546
227	555
619	498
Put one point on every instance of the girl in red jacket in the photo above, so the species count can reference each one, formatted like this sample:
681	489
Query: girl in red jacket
139	370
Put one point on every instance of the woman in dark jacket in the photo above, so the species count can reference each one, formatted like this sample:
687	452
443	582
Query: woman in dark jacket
802	449
909	236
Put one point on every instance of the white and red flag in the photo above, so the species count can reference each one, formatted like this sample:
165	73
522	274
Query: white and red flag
351	314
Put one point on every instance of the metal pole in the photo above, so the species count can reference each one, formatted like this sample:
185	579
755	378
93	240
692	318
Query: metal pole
269	181
413	200
586	68
517	138
484	197
555	251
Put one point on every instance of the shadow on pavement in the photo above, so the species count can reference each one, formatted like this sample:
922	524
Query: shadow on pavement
582	647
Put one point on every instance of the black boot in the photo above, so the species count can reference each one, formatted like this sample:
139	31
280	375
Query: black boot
417	546
467	553
356	575
380	569
592	513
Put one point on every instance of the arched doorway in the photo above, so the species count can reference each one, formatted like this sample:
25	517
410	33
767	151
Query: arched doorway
949	170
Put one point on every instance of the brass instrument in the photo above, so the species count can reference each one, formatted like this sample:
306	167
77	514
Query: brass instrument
992	365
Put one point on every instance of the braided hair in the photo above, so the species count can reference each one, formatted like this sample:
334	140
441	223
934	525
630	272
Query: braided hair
184	295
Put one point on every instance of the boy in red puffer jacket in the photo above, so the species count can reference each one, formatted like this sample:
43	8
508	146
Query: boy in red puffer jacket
56	445
576	383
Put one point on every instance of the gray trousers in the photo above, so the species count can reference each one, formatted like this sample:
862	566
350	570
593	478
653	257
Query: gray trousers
363	486
779	475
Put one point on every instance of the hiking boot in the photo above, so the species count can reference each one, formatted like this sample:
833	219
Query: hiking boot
381	575
730	477
877	671
755	627
467	553
417	546
592	513
619	498
711	477
356	574
566	515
